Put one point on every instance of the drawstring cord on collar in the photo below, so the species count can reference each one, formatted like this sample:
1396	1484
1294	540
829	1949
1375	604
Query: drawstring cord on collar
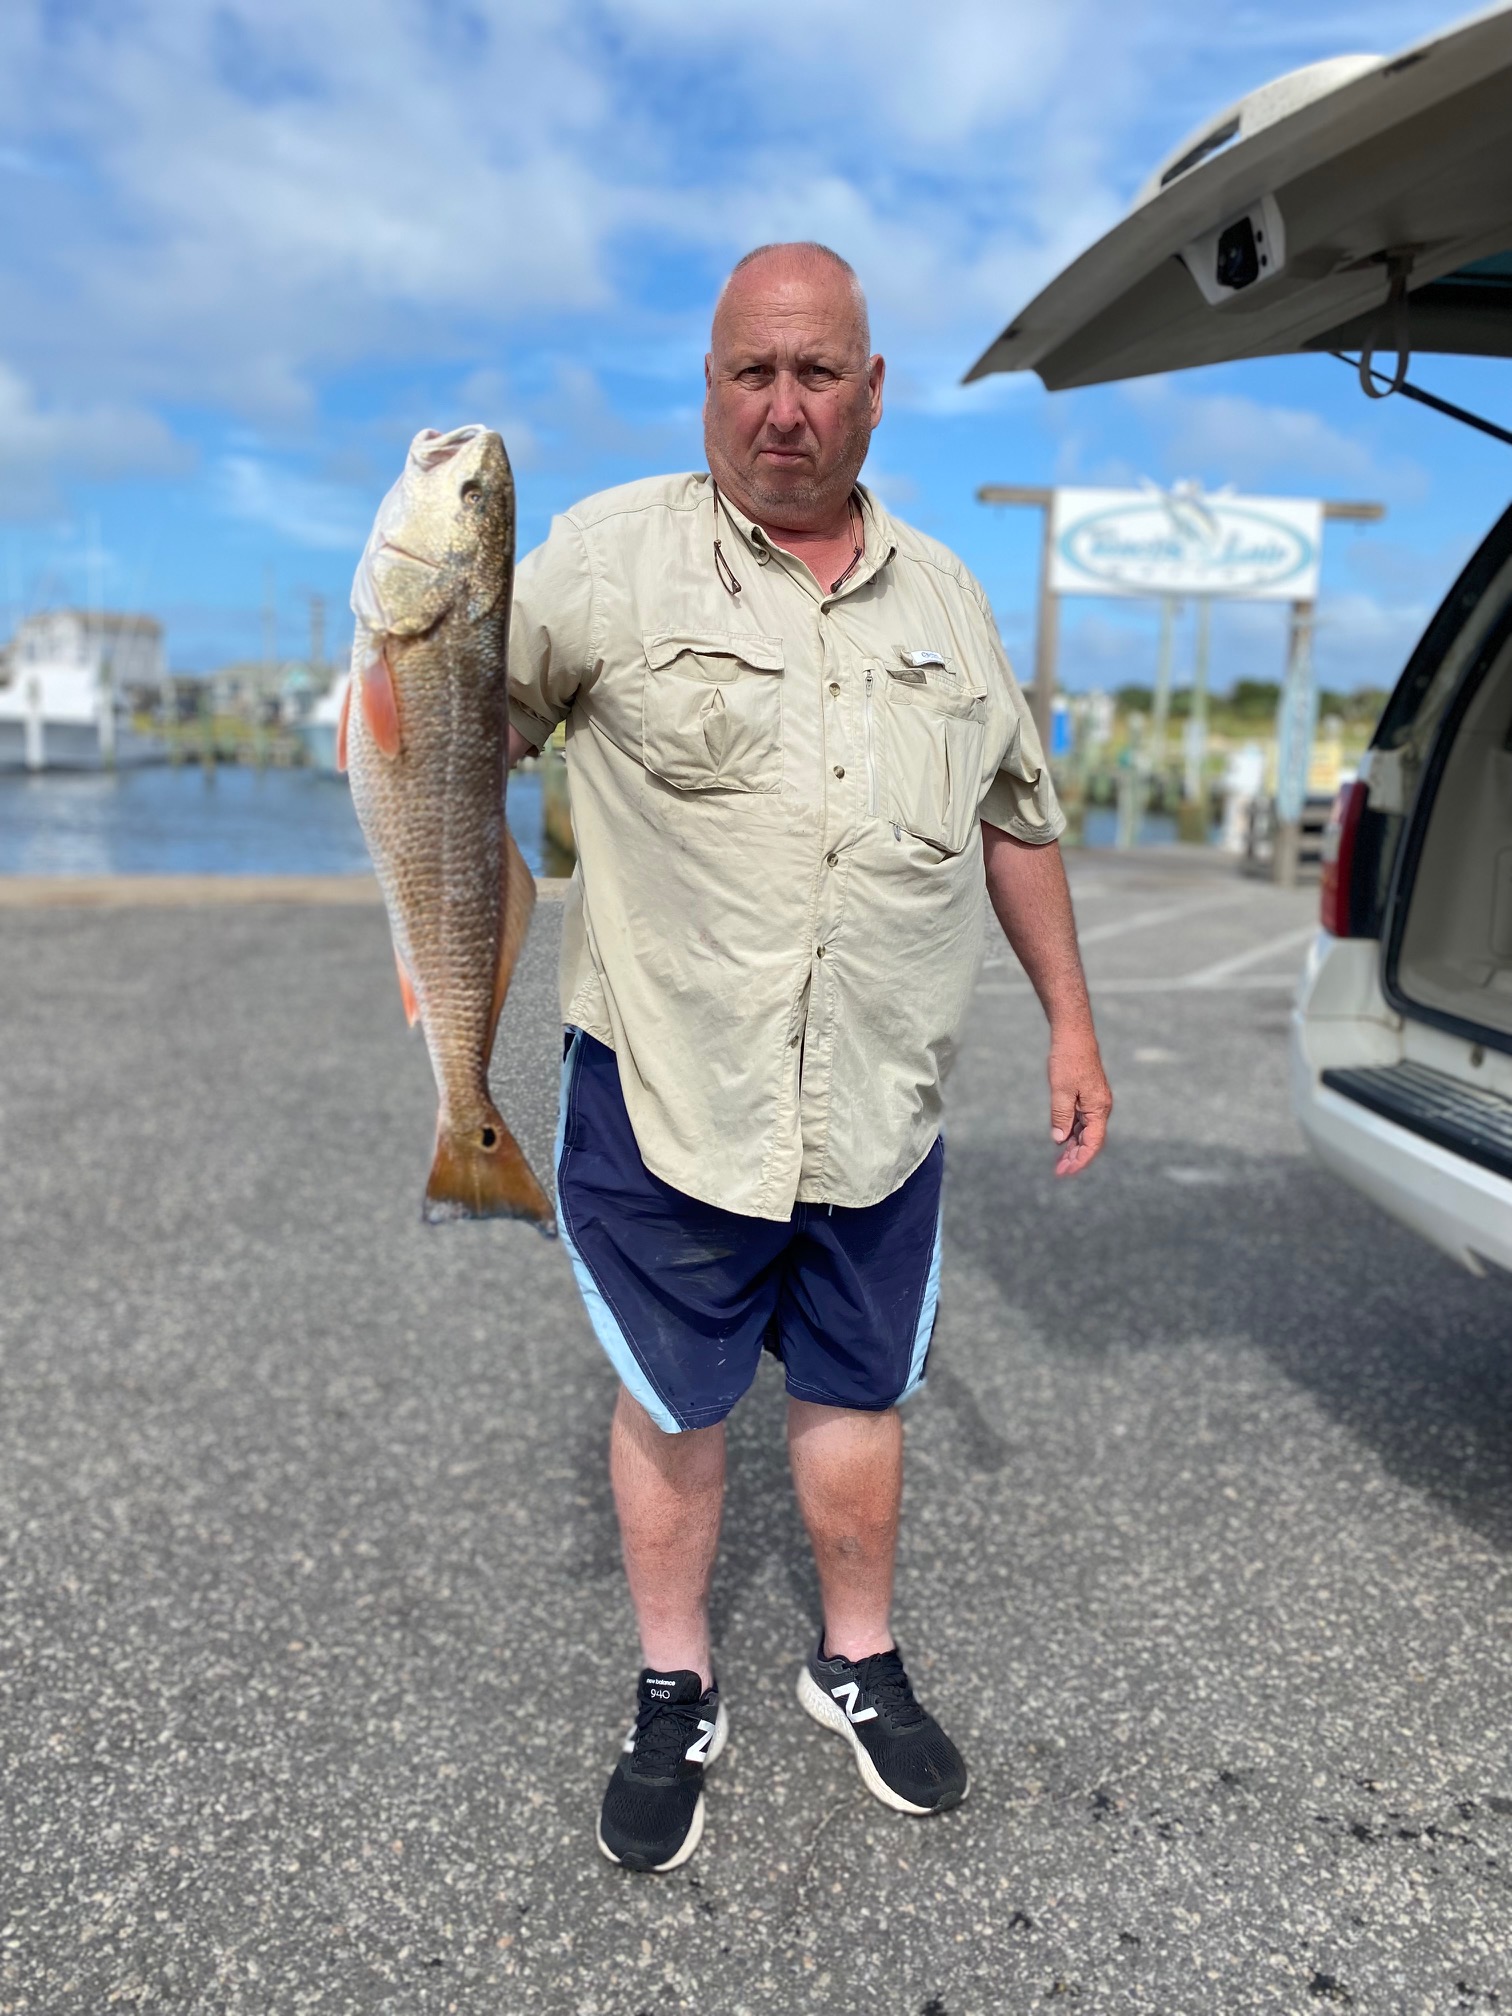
729	580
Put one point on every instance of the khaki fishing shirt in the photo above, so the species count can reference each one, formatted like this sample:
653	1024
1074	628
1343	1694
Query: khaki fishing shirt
776	920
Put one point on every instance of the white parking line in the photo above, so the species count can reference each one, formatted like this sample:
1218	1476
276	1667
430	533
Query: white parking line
1211	976
1146	920
1142	920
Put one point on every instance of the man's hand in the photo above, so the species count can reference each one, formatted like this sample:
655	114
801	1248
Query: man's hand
1027	887
1080	1099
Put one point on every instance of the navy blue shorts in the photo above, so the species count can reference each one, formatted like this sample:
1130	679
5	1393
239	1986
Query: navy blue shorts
684	1296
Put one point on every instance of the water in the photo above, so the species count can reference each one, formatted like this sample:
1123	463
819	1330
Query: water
241	821
1156	829
233	821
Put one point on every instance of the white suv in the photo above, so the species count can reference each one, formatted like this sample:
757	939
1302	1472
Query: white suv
1363	204
1402	1032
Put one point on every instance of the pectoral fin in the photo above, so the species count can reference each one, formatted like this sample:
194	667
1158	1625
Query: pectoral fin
380	705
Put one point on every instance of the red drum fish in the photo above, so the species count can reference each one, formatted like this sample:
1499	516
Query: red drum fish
423	737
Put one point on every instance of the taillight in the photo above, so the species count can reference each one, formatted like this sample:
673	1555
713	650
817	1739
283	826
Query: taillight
1338	858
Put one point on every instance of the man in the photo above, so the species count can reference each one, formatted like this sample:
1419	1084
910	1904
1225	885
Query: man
793	741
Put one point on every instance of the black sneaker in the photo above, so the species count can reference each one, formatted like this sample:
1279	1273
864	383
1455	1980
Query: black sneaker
902	1753
652	1815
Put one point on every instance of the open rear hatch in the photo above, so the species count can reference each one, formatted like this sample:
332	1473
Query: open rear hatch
1360	204
1364	202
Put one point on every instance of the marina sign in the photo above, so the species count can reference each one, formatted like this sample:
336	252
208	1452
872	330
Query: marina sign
1183	542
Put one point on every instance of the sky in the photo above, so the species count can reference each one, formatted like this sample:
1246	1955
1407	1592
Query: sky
250	251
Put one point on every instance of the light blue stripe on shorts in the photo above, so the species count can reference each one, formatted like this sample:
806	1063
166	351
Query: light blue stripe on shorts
606	1325
928	1310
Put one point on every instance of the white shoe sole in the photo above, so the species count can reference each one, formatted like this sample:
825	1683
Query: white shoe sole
694	1834
830	1715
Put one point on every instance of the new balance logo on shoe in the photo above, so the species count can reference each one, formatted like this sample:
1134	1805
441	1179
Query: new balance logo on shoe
697	1751
852	1712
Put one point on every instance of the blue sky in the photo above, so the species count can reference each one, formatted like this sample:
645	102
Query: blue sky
250	250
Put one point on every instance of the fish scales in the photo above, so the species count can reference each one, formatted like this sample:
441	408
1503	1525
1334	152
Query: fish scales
425	743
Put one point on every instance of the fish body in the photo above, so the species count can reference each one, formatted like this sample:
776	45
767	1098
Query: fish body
424	740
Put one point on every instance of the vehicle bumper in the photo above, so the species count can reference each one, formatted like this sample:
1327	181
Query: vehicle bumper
1464	1209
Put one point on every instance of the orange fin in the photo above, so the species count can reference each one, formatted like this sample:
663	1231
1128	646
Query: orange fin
380	706
341	727
517	895
406	990
482	1174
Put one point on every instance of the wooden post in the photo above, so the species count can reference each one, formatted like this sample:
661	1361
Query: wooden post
1047	626
1046	641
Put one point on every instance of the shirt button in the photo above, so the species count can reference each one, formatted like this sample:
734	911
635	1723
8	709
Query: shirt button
834	688
839	769
830	860
821	951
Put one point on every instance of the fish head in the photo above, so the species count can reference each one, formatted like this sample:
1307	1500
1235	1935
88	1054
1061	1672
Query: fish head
443	539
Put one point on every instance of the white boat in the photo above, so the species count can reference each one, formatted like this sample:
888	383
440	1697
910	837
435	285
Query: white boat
61	686
318	729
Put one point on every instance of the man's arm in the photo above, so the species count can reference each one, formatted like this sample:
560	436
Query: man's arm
1027	889
551	656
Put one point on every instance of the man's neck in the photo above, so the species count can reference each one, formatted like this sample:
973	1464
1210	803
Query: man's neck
826	551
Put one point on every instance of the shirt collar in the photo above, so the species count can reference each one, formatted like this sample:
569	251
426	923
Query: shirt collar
878	543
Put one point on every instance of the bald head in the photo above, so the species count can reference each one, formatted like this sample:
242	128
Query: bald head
805	263
793	393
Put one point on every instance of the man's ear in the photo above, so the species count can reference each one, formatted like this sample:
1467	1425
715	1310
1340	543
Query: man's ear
708	371
876	371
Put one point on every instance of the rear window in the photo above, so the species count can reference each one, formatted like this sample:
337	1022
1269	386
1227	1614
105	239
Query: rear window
1451	639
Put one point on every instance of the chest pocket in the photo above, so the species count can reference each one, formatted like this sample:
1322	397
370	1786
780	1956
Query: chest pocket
711	716
936	742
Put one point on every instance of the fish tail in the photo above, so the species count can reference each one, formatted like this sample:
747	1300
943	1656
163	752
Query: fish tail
480	1172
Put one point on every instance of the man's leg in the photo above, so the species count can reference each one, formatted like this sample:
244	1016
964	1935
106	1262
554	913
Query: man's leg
855	1324
668	1491
848	1476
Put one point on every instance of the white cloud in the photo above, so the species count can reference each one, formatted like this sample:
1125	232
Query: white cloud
278	193
488	396
244	205
329	517
41	441
1230	437
1364	640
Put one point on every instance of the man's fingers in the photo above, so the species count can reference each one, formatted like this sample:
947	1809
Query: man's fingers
1084	1143
1080	1103
1062	1110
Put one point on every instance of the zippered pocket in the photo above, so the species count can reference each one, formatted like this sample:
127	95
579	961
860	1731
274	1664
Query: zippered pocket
871	743
935	751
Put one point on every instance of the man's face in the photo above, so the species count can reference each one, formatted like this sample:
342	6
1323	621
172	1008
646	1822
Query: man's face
792	396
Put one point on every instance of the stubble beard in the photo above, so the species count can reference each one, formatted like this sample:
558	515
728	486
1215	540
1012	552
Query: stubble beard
803	503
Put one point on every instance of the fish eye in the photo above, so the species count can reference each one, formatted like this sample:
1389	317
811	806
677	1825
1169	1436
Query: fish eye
472	492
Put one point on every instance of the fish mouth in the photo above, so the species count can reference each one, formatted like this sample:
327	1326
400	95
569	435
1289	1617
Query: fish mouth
430	448
420	560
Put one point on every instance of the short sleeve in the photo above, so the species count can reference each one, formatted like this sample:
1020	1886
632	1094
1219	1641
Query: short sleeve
1021	799
551	648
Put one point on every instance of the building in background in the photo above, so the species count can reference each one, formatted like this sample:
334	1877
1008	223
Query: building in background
64	683
269	693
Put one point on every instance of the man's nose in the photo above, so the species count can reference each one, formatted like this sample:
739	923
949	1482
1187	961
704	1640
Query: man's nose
786	410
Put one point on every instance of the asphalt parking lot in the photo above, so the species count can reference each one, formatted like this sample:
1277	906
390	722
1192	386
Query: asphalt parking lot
314	1653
